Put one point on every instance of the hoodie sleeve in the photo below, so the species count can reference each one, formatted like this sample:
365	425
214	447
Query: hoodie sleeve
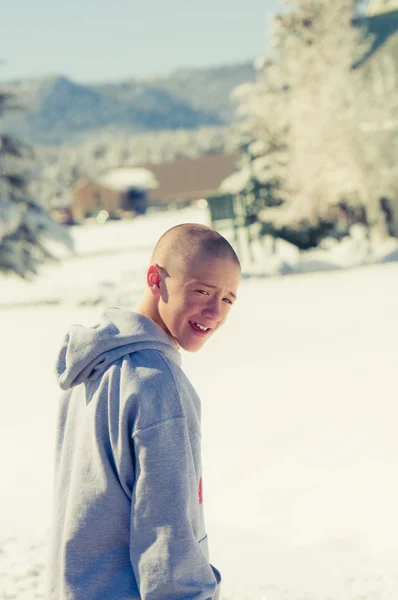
165	549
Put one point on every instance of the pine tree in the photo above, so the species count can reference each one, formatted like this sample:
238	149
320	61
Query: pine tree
25	226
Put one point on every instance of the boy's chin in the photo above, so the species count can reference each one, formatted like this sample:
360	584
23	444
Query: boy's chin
190	346
192	350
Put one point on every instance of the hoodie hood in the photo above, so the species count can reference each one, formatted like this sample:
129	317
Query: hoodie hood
88	351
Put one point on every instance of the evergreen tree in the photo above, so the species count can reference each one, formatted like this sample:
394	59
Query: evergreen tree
25	226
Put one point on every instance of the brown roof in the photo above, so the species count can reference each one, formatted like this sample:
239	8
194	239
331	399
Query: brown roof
190	179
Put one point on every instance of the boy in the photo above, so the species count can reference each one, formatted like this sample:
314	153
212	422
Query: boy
128	512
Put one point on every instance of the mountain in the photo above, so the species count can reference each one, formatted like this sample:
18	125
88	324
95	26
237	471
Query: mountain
206	90
59	110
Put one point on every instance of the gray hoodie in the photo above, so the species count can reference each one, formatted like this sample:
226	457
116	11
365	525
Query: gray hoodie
128	512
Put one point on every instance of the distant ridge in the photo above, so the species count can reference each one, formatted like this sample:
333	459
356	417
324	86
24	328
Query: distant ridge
59	110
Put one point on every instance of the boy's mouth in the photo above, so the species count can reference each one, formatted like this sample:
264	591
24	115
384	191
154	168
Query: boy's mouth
199	328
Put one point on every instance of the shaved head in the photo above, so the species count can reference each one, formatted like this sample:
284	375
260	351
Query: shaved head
191	284
185	243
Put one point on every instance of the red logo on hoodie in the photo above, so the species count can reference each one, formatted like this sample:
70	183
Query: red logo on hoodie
200	491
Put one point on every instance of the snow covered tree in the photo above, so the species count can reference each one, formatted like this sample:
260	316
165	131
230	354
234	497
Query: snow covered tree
25	226
312	103
261	167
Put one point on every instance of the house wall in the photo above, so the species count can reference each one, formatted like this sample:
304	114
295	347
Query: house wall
91	198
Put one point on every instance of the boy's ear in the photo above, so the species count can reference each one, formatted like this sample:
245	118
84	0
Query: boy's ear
153	279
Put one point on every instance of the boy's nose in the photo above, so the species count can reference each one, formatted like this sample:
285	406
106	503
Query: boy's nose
213	311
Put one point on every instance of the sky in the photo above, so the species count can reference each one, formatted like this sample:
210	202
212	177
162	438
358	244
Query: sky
98	40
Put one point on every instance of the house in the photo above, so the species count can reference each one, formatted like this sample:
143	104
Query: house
158	186
122	190
185	181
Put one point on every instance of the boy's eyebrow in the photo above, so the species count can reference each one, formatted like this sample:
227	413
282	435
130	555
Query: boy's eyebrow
214	287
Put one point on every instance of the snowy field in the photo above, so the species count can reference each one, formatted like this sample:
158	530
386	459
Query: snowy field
300	416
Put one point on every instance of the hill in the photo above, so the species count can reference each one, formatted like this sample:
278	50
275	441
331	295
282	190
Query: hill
59	110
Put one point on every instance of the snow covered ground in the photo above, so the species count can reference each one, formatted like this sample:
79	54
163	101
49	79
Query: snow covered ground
299	415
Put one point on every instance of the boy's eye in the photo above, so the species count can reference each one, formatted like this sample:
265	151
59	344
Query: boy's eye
202	292
227	300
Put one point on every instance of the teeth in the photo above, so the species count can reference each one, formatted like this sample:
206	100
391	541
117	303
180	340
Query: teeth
200	326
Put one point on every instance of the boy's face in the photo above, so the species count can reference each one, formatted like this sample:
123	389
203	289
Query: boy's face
195	300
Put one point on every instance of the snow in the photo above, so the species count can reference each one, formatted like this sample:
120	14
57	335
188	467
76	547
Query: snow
299	413
124	178
236	182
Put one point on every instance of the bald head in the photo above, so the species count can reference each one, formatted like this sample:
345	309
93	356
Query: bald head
184	243
192	283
